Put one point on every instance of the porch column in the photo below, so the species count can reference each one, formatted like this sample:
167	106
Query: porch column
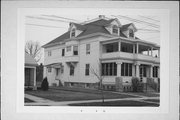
148	51
119	69
133	70
137	69
35	77
151	51
151	71
158	72
159	53
119	46
134	48
137	48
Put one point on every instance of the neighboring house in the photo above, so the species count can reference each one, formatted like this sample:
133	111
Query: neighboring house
30	71
104	43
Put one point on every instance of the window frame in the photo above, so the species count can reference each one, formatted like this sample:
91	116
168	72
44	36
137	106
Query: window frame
73	33
131	33
74	50
63	52
68	48
115	29
126	69
71	70
88	49
49	53
87	69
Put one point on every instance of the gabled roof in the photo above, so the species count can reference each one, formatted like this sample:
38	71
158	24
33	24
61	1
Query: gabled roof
126	26
29	60
97	26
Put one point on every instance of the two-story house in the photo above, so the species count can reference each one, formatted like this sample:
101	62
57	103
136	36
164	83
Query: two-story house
104	45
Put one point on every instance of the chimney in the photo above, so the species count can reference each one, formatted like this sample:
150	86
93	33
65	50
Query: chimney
101	16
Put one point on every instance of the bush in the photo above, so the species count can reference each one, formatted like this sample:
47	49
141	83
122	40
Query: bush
45	84
135	84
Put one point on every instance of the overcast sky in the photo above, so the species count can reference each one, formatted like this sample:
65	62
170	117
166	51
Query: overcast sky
44	28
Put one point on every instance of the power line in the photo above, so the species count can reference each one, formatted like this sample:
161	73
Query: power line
138	21
60	17
41	18
43	25
150	18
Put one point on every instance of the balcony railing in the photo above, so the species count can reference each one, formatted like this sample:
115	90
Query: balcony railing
129	56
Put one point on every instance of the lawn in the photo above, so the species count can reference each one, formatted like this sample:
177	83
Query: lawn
27	100
70	95
129	103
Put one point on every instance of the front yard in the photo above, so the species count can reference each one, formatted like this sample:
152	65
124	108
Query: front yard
77	94
69	95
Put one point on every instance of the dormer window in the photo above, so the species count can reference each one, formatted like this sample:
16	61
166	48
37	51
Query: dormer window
131	33
115	29
73	33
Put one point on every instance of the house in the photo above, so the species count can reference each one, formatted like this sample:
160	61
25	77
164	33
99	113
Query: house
105	46
30	72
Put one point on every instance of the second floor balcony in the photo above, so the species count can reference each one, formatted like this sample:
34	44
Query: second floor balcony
131	51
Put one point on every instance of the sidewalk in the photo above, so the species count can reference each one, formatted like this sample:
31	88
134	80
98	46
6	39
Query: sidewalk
42	101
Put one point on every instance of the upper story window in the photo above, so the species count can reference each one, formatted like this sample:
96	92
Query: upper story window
68	48
73	33
87	48
63	52
49	69
75	50
115	29
49	53
131	33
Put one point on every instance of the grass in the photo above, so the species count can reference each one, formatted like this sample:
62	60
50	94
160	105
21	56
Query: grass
152	100
129	103
28	100
70	95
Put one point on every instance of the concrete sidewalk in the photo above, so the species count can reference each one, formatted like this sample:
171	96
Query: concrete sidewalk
42	101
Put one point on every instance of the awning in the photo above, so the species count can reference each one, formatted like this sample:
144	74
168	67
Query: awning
55	65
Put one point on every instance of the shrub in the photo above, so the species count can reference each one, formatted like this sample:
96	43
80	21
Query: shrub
135	84
45	84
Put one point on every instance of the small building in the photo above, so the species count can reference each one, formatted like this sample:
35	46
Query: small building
30	72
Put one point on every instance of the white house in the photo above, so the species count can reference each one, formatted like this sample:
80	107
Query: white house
104	43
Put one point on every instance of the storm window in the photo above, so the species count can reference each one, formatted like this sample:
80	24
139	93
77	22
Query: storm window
109	69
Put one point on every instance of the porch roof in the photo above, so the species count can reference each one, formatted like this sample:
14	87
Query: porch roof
55	65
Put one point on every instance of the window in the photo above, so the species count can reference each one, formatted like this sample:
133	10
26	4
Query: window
109	69
112	47
75	50
155	71
57	71
115	29
73	33
87	69
49	69
68	48
62	69
126	47
49	53
63	52
71	70
131	33
87	48
126	69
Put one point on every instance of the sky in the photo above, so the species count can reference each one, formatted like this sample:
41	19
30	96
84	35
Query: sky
46	27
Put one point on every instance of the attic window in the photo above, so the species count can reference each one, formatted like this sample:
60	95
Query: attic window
73	33
131	33
115	29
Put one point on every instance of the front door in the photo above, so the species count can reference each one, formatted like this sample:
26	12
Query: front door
142	72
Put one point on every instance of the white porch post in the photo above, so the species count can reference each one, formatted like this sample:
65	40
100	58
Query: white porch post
137	48
158	72
119	46
151	51
134	48
119	69
34	76
159	53
137	70
148	51
151	71
133	70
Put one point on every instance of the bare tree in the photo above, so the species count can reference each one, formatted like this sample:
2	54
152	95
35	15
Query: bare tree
97	73
34	49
